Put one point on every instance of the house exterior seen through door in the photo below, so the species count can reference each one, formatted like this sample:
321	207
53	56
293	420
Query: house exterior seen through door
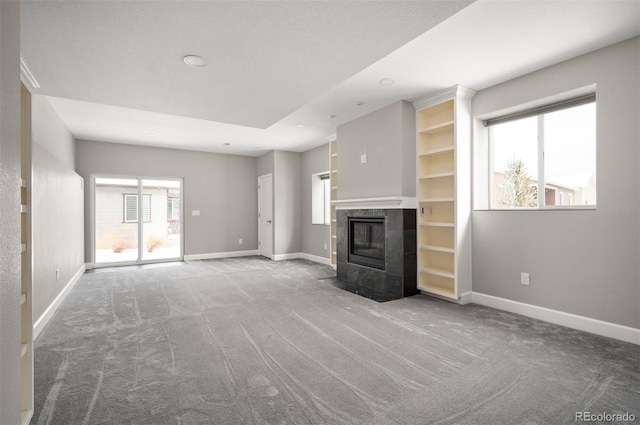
136	220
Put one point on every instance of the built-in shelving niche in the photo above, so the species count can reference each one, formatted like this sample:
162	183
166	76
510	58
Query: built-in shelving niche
443	145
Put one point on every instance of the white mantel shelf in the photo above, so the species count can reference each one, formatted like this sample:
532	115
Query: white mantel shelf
391	202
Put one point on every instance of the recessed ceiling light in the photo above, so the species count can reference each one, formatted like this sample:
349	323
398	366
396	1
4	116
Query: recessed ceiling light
299	125
386	81
359	103
332	116
194	60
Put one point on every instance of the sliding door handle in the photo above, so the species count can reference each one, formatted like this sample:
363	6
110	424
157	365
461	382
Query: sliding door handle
268	221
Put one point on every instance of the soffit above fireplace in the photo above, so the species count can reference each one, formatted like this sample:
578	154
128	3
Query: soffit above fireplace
390	202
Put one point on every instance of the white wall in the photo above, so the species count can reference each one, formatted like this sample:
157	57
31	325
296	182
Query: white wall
223	187
10	212
314	236
580	262
387	138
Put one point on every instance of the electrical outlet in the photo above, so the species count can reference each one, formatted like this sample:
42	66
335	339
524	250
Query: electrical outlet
363	158
524	278
325	246
195	212
240	241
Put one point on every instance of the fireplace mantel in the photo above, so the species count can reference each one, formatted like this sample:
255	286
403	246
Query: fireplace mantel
390	202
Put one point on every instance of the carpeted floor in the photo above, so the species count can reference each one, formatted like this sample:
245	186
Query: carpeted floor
252	341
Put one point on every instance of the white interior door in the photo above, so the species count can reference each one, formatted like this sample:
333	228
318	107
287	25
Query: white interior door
265	215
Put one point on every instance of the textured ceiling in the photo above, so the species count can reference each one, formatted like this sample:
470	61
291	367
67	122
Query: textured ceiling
113	70
266	58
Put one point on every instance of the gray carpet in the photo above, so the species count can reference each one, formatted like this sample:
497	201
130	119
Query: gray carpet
251	341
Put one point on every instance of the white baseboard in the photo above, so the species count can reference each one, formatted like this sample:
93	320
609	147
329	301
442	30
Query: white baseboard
315	258
229	254
292	256
586	324
42	321
466	298
302	256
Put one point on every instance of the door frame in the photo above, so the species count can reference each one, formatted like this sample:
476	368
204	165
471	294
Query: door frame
92	220
260	249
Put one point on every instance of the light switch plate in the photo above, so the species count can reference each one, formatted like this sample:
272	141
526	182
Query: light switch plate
195	212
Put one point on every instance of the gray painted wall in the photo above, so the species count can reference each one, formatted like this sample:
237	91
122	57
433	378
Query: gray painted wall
10	212
51	133
265	164
314	236
58	228
222	187
287	202
581	262
387	137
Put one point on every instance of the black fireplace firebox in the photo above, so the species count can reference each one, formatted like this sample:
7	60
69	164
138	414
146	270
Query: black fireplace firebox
367	241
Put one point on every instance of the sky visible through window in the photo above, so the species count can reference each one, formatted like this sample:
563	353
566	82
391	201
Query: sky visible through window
569	151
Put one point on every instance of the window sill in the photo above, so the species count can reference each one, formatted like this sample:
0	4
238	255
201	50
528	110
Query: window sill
561	208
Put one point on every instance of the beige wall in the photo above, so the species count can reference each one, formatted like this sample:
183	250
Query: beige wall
580	262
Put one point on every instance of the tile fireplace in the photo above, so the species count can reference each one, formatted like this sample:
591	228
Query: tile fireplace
376	250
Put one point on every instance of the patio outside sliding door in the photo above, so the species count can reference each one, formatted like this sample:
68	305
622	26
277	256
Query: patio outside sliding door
136	220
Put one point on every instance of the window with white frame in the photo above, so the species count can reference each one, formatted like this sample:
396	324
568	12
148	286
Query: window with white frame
131	208
320	198
544	158
173	209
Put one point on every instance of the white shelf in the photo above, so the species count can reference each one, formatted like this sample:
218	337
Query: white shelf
437	175
437	200
23	183
439	151
24	209
436	224
23	299
334	155
23	247
438	127
438	272
437	290
437	248
23	350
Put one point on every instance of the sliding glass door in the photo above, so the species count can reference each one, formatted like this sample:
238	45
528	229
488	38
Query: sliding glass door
136	220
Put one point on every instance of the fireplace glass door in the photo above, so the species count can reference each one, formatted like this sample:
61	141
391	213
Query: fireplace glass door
367	241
